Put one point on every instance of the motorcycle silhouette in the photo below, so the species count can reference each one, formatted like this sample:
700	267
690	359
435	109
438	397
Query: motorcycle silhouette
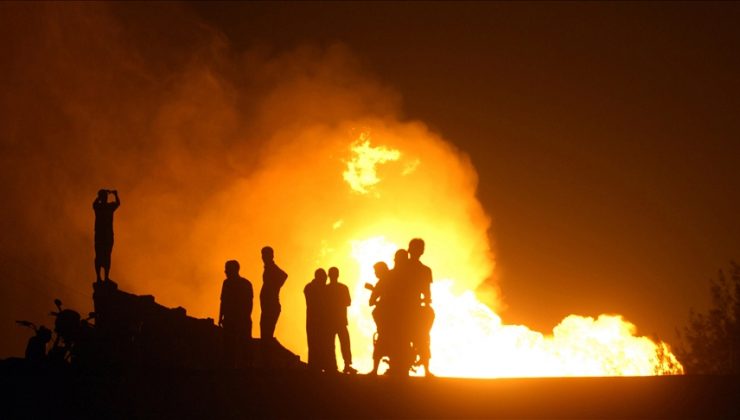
72	337
396	343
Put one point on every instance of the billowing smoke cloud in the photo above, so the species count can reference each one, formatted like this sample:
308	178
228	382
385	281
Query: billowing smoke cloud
215	153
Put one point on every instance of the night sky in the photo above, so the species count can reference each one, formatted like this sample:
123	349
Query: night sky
605	135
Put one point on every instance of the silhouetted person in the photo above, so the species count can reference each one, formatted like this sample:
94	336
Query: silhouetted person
273	279
316	330
337	301
399	292
104	231
420	280
401	308
235	314
379	298
36	347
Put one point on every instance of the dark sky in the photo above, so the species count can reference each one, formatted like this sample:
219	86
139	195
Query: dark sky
606	135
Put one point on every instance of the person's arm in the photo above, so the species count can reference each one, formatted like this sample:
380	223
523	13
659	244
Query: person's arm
282	276
375	294
373	297
118	200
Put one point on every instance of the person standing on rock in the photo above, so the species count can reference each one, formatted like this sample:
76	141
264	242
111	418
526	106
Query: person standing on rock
235	314
104	231
273	279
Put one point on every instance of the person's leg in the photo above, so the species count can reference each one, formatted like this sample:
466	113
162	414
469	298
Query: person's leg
427	339
99	251
376	355
330	352
268	321
98	266
274	319
263	321
346	349
106	259
311	347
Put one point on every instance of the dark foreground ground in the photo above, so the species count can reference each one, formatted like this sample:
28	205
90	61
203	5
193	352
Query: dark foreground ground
262	394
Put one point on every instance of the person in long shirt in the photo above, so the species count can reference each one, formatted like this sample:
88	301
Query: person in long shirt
235	313
337	301
273	279
379	299
420	280
316	331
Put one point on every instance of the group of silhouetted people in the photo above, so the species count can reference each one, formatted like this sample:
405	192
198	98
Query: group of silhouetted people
237	296
402	300
403	313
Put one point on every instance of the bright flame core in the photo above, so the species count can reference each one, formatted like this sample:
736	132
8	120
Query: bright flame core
470	340
361	174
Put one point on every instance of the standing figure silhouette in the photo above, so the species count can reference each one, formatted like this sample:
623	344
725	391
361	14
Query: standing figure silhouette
104	231
316	331
235	314
273	279
420	280
379	298
337	301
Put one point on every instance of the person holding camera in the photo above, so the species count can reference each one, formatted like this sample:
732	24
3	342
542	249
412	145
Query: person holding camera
104	231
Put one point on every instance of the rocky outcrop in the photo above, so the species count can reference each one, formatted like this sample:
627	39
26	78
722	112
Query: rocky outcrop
136	330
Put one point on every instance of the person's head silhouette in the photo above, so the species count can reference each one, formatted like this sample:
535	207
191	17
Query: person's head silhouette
231	268
103	196
333	274
416	248
268	255
381	269
400	258
320	275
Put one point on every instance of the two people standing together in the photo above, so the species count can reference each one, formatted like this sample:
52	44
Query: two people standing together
326	318
237	295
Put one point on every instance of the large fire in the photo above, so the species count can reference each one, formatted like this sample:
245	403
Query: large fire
468	337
